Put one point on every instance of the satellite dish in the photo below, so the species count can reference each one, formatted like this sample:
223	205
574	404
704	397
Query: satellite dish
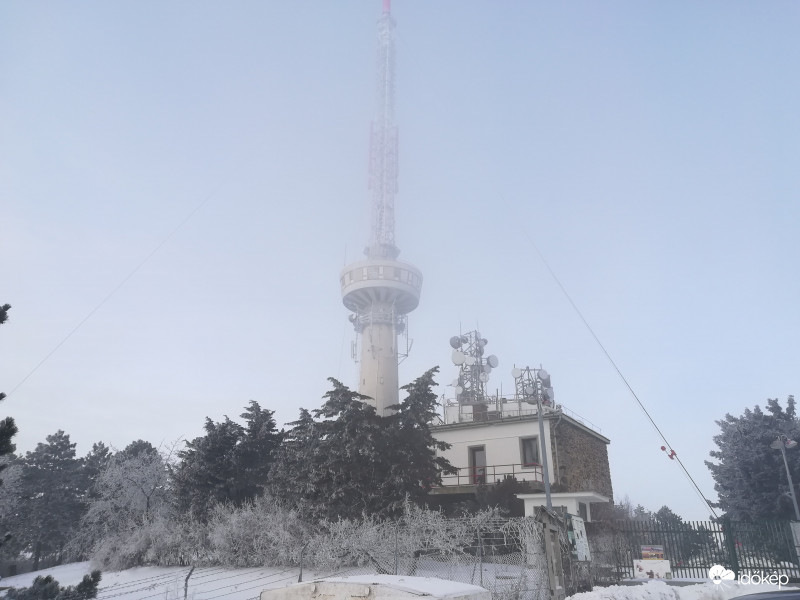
492	361
487	368
548	393
464	339
529	389
543	376
455	341
458	357
484	377
459	389
515	373
482	342
455	382
470	360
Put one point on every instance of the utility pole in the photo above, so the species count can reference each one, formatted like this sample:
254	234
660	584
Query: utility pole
782	443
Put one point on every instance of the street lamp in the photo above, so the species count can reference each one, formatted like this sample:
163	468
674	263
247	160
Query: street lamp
782	443
535	383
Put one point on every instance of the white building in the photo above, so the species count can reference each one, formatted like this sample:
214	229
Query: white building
499	438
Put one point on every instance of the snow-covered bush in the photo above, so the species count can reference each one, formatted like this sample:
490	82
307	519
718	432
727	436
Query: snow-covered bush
259	533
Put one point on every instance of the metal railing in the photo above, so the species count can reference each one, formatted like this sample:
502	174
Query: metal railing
493	474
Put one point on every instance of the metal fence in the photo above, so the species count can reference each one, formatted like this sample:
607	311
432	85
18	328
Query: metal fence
505	556
692	547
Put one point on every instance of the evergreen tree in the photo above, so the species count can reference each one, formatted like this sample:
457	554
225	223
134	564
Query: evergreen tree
255	451
230	463
750	476
299	455
47	588
95	463
354	446
8	428
346	461
51	498
414	467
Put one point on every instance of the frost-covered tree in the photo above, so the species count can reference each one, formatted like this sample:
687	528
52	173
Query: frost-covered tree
750	478
230	463
130	493
131	489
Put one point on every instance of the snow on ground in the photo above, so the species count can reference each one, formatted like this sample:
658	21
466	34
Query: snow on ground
167	583
659	590
210	583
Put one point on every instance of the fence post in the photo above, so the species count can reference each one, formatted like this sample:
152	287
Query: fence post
302	558
186	583
480	553
730	545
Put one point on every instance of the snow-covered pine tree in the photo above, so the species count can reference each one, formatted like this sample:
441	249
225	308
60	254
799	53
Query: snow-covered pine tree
750	476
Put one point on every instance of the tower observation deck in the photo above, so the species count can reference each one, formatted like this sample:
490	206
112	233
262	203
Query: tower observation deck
381	290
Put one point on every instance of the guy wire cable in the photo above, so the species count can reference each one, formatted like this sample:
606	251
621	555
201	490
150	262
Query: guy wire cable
673	455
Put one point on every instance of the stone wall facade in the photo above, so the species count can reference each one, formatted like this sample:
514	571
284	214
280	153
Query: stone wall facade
580	459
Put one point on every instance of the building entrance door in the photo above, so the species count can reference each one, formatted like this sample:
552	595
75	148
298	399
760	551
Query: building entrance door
477	463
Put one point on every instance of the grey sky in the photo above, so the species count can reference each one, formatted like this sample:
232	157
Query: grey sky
648	149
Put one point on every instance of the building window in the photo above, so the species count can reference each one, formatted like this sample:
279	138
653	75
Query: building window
583	513
530	451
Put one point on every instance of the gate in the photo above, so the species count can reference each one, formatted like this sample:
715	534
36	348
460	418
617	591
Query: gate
692	547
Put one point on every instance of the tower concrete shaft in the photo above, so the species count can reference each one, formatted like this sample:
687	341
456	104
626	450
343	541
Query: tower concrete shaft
381	291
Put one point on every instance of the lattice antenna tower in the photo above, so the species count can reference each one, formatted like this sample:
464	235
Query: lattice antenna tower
532	384
383	155
474	367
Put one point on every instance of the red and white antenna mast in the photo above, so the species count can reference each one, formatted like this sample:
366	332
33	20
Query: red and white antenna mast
383	145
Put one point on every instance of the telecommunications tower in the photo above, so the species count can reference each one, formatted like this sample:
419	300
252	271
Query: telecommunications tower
380	290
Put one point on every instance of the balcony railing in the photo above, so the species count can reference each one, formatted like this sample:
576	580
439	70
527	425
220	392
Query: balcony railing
494	473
